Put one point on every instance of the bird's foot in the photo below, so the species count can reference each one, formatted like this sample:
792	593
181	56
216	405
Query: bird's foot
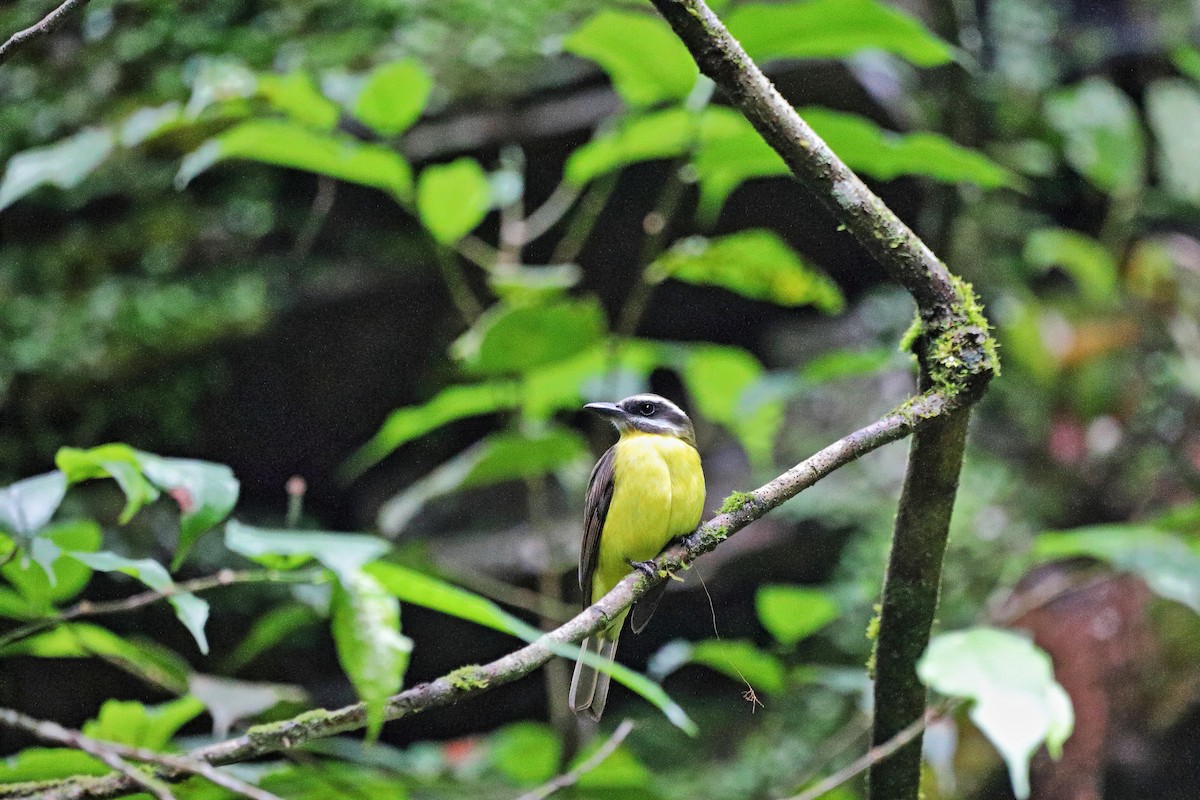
648	567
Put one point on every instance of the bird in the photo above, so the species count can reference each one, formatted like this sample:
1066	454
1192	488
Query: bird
644	492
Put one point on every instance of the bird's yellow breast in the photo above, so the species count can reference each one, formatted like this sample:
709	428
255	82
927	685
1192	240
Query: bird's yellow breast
658	494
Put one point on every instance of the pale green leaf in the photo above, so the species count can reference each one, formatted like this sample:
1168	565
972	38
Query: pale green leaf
365	621
1164	560
342	553
191	610
645	137
297	96
717	378
1187	61
833	29
793	613
146	123
35	591
741	661
269	630
755	264
117	461
1102	137
393	97
27	505
131	723
527	753
1017	703
290	144
452	199
645	61
206	494
511	339
64	164
496	458
229	701
1087	261
1173	111
49	763
525	284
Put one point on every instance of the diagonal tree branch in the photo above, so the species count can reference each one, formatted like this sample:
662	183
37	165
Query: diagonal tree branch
740	510
41	28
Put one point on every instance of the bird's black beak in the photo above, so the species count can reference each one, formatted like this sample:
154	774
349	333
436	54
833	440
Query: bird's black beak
605	409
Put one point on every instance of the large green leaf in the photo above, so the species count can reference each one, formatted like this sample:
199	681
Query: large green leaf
645	61
452	199
35	591
411	422
131	723
510	339
365	620
1017	703
741	661
27	505
792	613
717	378
49	763
527	753
1086	260
413	587
1173	111
298	97
833	29
1164	560
1102	136
755	264
64	164
342	553
206	493
393	97
290	144
191	610
147	660
645	137
117	461
497	458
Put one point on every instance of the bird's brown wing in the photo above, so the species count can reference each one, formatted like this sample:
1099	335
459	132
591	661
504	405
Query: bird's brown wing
595	511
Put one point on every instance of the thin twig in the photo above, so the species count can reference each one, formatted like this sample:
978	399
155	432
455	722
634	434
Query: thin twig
113	754
547	215
322	203
863	763
469	681
596	759
42	28
583	221
464	299
86	608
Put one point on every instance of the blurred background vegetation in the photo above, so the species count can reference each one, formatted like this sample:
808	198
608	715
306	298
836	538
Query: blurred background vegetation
392	246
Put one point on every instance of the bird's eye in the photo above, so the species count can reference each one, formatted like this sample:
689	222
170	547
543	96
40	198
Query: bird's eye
646	409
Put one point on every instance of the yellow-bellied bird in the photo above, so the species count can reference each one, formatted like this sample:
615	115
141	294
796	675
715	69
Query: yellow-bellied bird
645	491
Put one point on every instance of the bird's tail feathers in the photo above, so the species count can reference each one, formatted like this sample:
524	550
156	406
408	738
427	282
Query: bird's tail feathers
589	686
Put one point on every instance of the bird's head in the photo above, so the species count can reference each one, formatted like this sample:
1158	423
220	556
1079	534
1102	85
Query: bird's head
647	413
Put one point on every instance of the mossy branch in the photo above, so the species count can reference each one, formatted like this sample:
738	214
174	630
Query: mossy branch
472	680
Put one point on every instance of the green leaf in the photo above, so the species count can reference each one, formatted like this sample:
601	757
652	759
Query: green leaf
833	29
621	770
1173	111
524	284
452	199
49	763
1017	703
741	661
27	506
342	553
277	625
206	494
191	610
145	659
526	753
297	96
1165	561
839	364
1102	137
509	339
1086	260
365	621
289	144
146	123
229	701
1187	61
131	723
393	97
792	613
755	264
717	377
645	137
645	61
449	405
64	164
410	586
35	591
496	458
117	461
